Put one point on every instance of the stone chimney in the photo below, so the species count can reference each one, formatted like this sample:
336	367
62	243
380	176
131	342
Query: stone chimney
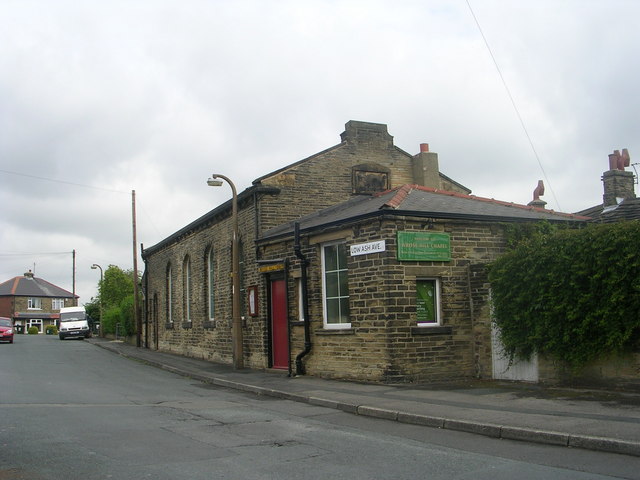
618	183
367	134
425	168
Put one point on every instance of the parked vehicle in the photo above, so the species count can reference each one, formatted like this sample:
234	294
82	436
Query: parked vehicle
6	329
73	323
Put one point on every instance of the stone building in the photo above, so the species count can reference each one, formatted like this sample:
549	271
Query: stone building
367	327
396	283
33	302
187	275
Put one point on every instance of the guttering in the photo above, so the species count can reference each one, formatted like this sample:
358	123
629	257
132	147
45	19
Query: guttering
300	370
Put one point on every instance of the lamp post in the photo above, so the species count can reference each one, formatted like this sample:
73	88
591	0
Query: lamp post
93	267
236	325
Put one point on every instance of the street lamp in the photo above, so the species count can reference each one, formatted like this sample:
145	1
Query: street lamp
93	267
236	325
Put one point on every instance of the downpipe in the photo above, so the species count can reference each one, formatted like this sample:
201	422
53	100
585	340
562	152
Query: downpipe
300	369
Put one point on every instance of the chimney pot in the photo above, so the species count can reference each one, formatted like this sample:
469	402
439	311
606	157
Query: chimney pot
424	147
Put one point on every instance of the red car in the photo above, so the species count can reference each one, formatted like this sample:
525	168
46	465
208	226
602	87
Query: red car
6	329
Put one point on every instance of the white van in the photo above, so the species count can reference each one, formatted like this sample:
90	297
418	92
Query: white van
73	323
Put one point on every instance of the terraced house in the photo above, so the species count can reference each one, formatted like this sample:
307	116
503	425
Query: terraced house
361	262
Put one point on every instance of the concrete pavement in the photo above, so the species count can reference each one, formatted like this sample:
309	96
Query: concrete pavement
590	419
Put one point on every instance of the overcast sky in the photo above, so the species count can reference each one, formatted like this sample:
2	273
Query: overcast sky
100	98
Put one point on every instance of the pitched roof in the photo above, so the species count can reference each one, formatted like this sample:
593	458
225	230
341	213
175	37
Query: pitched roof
628	209
416	200
29	286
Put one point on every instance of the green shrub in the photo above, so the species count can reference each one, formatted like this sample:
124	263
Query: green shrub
33	331
122	315
51	330
573	295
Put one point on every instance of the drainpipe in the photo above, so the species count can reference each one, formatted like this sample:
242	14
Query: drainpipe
300	370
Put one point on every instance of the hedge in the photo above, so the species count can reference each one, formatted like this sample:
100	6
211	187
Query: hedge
573	294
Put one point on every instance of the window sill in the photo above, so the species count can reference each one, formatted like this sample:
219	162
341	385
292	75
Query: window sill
187	325
435	330
335	331
209	324
168	326
297	324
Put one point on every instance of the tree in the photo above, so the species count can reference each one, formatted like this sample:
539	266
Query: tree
116	294
116	285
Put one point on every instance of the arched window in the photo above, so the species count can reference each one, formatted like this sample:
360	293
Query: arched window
186	288
210	282
169	295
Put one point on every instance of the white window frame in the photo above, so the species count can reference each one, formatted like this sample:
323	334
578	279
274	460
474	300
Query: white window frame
326	324
57	303
438	305
35	322
34	303
211	277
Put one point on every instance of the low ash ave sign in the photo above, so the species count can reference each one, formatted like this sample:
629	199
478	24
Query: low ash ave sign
366	248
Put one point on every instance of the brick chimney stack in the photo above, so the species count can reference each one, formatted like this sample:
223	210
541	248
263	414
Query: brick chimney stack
618	183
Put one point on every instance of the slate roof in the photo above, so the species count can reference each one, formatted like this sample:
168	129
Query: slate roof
416	200
628	209
26	286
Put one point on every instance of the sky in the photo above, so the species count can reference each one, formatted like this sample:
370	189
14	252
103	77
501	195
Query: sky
98	99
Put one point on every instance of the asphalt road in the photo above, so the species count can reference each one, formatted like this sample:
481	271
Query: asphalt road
70	410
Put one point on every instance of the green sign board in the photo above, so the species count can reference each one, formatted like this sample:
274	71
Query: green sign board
424	246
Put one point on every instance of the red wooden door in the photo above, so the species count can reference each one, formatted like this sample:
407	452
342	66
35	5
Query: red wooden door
279	330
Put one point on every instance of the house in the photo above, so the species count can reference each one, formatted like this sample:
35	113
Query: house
380	233
33	302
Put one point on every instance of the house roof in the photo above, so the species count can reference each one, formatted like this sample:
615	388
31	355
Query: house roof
257	186
209	217
30	286
628	209
416	200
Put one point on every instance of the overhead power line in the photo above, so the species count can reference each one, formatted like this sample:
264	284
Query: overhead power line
29	254
93	187
513	103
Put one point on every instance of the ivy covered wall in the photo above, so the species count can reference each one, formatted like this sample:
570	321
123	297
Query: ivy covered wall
570	295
